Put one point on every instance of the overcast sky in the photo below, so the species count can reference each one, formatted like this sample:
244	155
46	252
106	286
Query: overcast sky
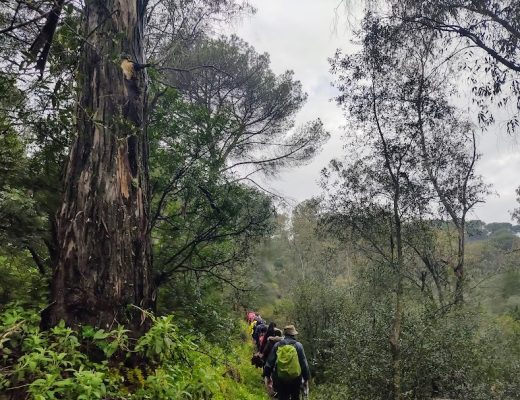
301	35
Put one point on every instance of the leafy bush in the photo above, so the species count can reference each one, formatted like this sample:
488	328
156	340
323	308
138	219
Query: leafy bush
19	279
96	364
462	354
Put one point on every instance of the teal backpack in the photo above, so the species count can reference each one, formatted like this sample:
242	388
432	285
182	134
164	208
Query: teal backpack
287	363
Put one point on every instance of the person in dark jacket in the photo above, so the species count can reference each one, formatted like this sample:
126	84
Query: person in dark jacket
260	328
260	337
271	341
287	390
268	334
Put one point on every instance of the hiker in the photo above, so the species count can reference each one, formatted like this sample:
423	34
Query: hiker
261	337
250	316
286	367
251	328
270	342
260	328
257	320
267	341
268	334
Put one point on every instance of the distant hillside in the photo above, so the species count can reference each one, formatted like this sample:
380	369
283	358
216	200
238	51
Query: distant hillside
479	230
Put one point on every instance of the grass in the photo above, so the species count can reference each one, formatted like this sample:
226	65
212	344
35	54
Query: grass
242	381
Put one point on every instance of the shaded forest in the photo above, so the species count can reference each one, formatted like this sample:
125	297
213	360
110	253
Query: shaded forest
137	228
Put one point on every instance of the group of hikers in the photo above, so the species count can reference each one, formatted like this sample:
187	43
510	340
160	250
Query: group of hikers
282	358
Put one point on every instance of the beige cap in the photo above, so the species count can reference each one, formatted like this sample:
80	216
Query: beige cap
290	330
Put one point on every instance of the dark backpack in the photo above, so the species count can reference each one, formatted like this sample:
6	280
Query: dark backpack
257	360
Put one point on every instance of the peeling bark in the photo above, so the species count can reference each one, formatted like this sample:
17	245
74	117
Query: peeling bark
103	265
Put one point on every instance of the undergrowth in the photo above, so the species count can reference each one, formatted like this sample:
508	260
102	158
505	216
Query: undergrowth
166	363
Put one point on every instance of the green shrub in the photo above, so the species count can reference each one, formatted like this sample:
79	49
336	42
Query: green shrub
96	364
462	354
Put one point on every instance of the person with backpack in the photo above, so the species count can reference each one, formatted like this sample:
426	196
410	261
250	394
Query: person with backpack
260	329
267	341
250	316
271	341
286	367
268	334
251	328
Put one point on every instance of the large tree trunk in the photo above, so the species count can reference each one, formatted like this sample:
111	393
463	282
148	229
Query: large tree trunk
104	253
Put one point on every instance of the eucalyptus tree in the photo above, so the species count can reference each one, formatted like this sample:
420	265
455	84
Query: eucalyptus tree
444	139
487	32
479	38
377	190
483	37
102	261
372	195
417	162
103	250
447	145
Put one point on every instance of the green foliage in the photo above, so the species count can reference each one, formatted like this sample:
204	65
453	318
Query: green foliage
205	220
162	341
339	297
503	239
19	279
511	284
258	133
206	303
165	363
459	354
21	221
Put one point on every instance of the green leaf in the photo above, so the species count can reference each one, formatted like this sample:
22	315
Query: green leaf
100	334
